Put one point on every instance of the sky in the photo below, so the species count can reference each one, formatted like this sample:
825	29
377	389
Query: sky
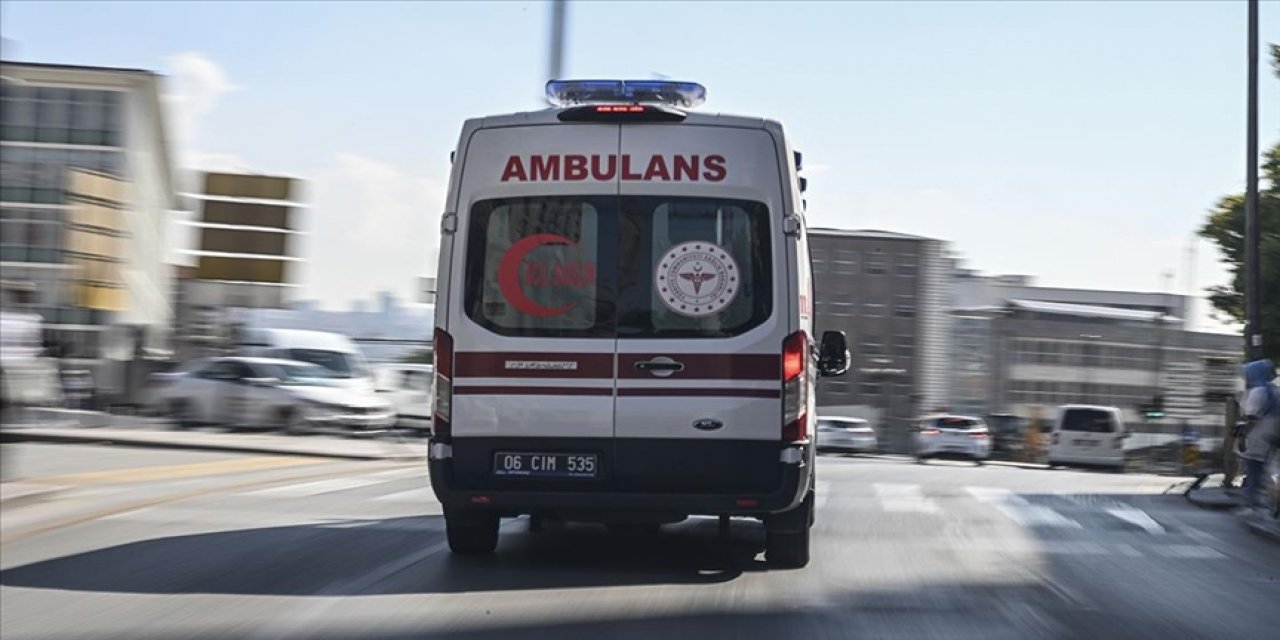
1082	143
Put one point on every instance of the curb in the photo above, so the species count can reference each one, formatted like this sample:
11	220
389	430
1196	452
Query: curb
1216	505
17	435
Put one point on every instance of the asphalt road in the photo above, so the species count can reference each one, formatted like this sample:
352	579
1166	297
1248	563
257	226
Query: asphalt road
166	544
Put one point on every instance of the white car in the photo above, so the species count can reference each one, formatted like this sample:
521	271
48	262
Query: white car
407	387
955	437
266	393
846	434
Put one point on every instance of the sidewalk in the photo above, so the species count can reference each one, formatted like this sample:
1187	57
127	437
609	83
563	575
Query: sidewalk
318	446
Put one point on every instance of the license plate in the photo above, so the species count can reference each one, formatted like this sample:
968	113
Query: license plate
1085	443
545	465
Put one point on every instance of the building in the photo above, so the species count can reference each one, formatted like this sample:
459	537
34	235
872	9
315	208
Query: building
1022	349
889	293
86	192
245	255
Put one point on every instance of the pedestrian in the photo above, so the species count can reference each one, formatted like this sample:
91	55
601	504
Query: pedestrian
1261	427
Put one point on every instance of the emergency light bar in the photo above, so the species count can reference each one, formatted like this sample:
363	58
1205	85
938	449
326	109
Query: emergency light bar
687	95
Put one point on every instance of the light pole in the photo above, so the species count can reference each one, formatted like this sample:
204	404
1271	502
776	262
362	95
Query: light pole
1253	273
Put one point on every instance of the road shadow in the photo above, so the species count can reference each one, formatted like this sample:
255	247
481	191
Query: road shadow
336	558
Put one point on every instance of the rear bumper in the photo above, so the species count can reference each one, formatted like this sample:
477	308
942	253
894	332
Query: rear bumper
973	452
863	444
794	481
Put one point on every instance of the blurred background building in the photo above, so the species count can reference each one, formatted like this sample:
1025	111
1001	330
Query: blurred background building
1023	349
889	292
245	227
86	191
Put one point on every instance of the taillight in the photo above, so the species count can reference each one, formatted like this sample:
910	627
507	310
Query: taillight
442	411
795	387
1054	439
929	432
978	435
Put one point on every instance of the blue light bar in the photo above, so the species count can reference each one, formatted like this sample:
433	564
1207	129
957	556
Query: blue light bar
565	93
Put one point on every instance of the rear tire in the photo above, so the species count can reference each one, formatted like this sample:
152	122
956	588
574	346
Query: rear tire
471	533
921	460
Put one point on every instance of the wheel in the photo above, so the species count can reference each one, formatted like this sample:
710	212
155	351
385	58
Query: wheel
921	459
291	421
471	533
787	550
979	461
181	413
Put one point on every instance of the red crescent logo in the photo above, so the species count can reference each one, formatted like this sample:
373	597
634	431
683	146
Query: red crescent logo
509	275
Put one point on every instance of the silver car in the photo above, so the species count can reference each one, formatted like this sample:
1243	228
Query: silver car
846	434
266	393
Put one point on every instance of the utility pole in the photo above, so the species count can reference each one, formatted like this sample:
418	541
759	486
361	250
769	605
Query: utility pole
1253	272
555	61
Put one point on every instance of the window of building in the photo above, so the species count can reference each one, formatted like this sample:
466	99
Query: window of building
904	307
875	265
904	345
907	265
873	309
870	388
871	346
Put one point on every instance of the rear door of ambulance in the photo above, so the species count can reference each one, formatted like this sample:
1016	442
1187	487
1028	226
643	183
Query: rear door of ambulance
531	309
702	314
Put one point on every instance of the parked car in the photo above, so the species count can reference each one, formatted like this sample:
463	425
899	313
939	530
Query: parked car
846	434
333	351
408	388
1088	435
955	437
266	393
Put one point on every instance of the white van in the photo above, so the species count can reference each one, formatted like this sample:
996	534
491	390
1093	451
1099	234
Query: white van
624	327
1088	435
333	351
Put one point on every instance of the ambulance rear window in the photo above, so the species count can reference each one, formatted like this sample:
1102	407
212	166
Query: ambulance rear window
532	267
692	267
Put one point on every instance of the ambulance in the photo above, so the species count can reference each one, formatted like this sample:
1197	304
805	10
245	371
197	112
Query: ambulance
624	320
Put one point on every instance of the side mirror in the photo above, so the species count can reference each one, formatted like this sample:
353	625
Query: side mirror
833	354
262	382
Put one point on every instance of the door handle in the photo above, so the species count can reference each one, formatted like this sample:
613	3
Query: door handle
661	365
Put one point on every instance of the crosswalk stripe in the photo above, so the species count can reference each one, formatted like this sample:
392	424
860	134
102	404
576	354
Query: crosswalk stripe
1137	517
316	488
904	498
1019	509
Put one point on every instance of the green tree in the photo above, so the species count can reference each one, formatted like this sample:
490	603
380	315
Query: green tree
1225	227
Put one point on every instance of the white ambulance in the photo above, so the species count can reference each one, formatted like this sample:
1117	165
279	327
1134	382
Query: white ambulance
624	324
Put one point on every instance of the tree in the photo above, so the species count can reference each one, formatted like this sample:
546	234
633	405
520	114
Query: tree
1225	227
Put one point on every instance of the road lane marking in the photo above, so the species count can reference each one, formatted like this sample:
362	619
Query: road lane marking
1021	511
903	498
177	471
61	523
316	488
1138	517
417	495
